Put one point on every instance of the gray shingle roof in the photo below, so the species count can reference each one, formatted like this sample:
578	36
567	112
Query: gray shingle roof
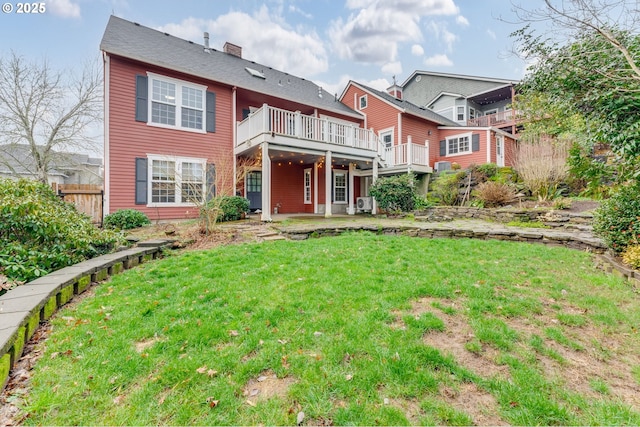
425	113
17	158
134	41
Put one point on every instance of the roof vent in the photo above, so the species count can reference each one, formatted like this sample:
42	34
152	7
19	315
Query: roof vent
319	92
232	49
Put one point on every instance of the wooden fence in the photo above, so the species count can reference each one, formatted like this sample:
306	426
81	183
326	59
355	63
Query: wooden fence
87	198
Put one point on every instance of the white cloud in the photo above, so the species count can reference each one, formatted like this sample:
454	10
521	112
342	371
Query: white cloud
417	50
440	31
372	33
492	34
392	68
461	20
189	28
380	84
270	41
295	9
63	8
440	60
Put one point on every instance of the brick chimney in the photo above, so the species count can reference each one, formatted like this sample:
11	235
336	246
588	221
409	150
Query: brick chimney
232	49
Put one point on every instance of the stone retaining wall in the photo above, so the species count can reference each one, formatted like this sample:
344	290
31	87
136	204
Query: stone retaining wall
550	217
548	237
23	308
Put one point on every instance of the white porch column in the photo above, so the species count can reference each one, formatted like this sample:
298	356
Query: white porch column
374	207
352	168
315	187
409	151
266	183
328	179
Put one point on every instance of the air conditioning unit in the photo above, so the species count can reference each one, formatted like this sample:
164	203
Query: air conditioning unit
442	166
364	203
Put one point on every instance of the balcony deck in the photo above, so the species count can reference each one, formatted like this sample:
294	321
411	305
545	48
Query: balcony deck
500	119
313	134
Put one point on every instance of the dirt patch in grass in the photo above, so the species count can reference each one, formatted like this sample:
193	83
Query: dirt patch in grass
266	386
603	359
141	346
455	337
479	404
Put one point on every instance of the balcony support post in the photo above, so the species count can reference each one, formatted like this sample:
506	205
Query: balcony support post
352	168
266	183
328	177
374	207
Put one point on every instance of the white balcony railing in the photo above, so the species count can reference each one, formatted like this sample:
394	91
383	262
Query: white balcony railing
293	124
407	154
276	121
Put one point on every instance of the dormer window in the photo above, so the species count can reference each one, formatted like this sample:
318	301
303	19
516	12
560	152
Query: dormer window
363	102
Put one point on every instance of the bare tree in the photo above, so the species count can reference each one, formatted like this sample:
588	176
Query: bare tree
48	111
571	19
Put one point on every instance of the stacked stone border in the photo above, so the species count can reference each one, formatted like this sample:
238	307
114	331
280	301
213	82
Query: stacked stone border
553	218
23	308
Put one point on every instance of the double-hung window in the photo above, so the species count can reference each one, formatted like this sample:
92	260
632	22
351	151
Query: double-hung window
460	144
339	187
307	186
176	103
176	180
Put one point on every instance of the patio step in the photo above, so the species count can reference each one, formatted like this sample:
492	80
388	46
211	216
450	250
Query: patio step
270	235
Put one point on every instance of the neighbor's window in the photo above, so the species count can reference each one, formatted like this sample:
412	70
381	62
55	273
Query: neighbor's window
175	103
459	145
176	181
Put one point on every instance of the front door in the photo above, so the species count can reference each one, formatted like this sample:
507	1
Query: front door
500	150
254	190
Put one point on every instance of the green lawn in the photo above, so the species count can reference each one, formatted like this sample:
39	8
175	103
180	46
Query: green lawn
357	329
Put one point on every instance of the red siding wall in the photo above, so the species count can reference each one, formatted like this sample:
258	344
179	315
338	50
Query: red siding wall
287	187
464	160
380	115
129	139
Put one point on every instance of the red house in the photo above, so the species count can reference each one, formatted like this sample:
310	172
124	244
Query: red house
431	138
179	114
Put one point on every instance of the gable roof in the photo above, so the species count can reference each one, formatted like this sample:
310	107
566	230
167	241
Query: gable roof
497	81
405	106
134	41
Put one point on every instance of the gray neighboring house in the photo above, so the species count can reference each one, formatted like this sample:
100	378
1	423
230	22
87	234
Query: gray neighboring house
466	100
16	161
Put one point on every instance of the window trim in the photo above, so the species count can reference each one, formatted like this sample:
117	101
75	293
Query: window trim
178	181
307	186
464	113
178	102
469	137
390	131
337	172
366	102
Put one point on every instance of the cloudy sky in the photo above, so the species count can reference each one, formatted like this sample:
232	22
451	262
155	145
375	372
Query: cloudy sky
326	41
